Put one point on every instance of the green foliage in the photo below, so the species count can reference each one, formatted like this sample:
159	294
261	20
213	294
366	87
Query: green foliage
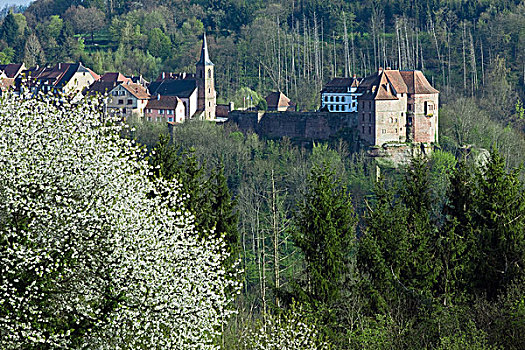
325	233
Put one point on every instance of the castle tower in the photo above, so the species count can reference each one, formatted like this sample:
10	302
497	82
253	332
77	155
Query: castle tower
206	83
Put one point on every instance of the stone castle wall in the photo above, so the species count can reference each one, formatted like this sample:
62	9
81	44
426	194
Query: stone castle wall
294	125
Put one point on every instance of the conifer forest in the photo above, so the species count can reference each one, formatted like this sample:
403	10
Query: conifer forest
137	235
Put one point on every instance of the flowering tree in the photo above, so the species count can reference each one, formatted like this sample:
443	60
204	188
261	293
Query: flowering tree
291	331
94	254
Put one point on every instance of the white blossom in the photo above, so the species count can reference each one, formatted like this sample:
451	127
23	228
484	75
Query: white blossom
94	254
290	331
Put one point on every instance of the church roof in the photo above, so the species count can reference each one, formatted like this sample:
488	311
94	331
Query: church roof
183	88
205	58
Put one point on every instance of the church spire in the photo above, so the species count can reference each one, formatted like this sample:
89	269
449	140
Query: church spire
205	58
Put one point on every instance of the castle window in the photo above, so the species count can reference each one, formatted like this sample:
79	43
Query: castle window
209	73
391	120
396	130
363	118
370	117
130	102
369	105
363	129
120	102
370	130
383	131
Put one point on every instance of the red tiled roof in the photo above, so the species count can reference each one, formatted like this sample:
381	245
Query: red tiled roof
417	83
116	77
164	102
137	90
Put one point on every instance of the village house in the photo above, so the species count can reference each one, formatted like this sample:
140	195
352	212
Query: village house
64	78
168	109
8	74
128	99
106	83
340	95
397	106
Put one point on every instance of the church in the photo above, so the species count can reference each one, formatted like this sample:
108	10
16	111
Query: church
176	97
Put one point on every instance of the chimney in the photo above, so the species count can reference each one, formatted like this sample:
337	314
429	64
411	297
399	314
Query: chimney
59	66
184	75
354	76
163	75
388	68
380	70
232	106
158	97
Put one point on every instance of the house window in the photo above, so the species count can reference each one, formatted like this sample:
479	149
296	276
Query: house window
120	102
161	111
391	120
383	131
170	119
148	110
149	119
115	93
159	119
170	111
130	102
209	73
410	106
337	99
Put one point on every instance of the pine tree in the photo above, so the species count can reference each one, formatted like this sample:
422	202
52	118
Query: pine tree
9	29
457	243
398	248
500	219
325	233
223	212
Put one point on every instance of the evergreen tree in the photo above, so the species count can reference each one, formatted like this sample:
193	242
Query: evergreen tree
9	29
223	212
398	248
325	233
500	220
457	243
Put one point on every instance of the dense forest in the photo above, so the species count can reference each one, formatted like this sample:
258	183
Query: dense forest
335	250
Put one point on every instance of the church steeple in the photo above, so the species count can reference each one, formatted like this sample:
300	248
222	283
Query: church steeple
207	99
205	58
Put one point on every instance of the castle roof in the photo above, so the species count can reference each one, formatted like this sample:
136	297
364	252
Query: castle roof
277	99
341	84
386	84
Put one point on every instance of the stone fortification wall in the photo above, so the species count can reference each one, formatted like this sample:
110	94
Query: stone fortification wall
295	125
